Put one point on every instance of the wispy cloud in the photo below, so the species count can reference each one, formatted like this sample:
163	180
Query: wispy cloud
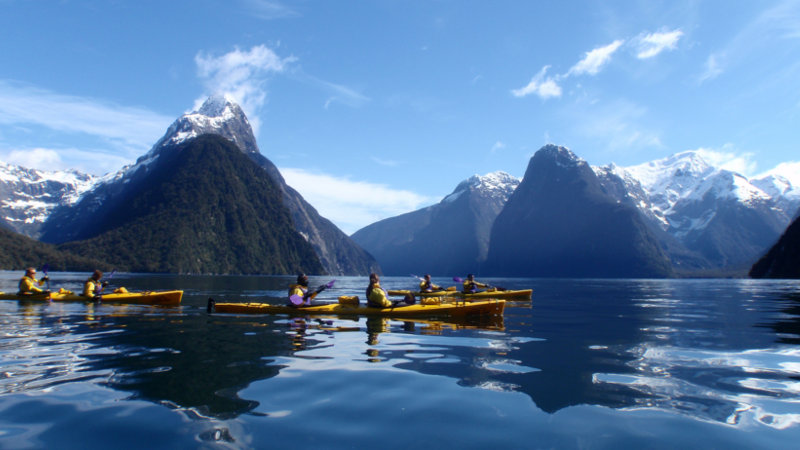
594	60
713	68
97	162
729	158
269	9
778	23
789	170
127	131
618	124
541	85
385	162
351	205
337	93
497	147
651	44
648	45
241	74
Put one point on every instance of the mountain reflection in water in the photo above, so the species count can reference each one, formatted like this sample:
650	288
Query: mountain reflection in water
703	351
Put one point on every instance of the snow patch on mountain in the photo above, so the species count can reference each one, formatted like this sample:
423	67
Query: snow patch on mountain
498	185
663	188
27	196
219	114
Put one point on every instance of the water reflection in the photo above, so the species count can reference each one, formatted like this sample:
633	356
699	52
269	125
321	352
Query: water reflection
787	327
716	351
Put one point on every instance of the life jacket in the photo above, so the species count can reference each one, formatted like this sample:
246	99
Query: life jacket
28	284
298	289
376	297
91	287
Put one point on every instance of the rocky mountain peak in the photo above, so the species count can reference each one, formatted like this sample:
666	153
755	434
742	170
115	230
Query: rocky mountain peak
498	185
220	105
561	156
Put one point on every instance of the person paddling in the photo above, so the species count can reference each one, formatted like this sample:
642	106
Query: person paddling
471	286
93	287
426	286
300	289
377	296
28	282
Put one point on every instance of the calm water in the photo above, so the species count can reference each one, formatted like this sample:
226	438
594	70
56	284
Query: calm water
587	364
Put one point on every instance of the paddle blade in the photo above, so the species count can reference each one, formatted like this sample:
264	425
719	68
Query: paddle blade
324	286
458	280
296	300
45	268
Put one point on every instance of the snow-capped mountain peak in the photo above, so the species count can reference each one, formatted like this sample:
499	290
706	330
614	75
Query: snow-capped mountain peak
562	156
219	114
722	214
498	185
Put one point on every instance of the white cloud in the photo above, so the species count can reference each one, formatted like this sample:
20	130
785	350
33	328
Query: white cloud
34	158
130	130
789	170
351	205
729	158
540	85
97	162
652	44
497	147
595	59
241	74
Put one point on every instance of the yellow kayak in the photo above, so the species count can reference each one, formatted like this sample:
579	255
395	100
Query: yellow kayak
508	294
483	308
142	298
22	297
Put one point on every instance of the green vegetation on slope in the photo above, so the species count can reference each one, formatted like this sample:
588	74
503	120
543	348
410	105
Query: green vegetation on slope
205	208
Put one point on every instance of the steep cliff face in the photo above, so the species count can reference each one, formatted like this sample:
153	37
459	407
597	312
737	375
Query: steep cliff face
561	222
783	259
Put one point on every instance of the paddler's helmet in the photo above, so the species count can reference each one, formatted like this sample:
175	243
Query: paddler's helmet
302	279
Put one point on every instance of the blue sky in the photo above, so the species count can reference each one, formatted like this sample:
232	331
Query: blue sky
374	108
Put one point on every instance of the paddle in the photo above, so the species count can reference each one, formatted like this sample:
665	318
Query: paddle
461	280
298	300
98	294
45	268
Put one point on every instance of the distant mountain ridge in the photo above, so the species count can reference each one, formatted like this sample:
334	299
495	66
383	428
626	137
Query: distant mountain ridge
451	237
683	216
221	116
28	196
724	219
